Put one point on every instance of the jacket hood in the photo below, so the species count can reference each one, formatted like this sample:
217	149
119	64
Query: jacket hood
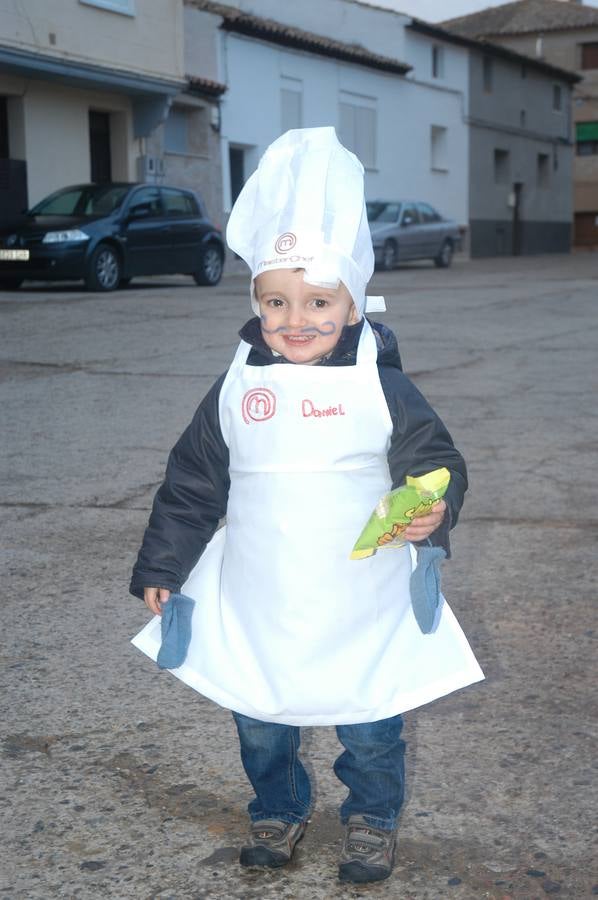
344	353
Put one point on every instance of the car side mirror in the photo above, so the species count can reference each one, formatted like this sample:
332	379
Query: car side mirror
407	221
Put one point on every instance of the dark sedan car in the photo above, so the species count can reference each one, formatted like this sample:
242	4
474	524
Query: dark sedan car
407	229
107	234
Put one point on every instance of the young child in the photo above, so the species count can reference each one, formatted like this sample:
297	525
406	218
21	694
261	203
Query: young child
295	444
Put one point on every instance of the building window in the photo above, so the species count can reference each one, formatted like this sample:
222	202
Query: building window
501	166
589	56
587	148
488	74
126	7
176	131
557	97
439	148
291	104
357	127
543	170
586	138
186	131
437	61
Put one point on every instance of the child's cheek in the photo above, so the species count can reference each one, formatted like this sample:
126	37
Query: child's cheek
269	326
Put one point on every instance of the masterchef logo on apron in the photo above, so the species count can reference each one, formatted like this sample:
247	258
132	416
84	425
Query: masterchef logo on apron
285	242
258	405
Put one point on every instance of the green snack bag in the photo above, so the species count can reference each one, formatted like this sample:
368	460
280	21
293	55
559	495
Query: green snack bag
395	510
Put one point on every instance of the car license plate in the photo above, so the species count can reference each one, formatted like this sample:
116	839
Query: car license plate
15	255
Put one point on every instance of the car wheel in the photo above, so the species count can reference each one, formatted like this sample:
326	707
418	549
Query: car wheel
210	266
445	256
103	270
390	256
10	284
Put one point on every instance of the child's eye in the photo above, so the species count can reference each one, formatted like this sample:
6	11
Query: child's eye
320	303
276	302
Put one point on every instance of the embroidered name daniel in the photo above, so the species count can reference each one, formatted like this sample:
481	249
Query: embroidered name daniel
308	409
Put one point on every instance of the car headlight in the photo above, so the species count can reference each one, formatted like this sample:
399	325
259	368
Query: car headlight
58	237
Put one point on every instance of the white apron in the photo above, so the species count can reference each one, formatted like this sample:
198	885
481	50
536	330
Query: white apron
286	628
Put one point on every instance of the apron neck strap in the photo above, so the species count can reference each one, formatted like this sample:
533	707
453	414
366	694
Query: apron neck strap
367	350
243	351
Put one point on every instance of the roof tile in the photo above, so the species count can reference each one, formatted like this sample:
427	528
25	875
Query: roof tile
234	19
524	17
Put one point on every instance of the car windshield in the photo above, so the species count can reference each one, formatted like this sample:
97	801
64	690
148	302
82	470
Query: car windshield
90	200
383	212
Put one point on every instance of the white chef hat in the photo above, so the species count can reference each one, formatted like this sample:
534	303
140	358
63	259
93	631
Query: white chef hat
304	208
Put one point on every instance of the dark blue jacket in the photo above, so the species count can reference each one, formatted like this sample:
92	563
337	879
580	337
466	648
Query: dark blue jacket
192	499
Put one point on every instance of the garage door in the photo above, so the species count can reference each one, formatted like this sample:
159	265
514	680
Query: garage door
586	229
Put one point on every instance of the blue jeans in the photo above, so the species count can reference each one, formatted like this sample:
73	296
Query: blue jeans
371	767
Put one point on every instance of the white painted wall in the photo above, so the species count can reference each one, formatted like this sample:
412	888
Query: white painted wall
60	156
406	110
443	101
201	43
418	55
378	30
149	42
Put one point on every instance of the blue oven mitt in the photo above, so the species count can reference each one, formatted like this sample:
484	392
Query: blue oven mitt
424	587
176	631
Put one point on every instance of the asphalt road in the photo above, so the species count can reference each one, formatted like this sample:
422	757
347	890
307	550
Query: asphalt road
116	780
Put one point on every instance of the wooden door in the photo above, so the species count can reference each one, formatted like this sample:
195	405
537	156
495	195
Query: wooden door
99	147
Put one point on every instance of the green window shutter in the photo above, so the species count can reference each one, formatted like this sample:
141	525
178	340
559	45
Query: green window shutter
587	131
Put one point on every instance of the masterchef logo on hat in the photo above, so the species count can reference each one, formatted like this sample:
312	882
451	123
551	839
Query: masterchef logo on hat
285	242
258	405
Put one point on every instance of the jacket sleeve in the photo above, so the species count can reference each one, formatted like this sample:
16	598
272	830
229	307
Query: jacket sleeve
420	443
189	504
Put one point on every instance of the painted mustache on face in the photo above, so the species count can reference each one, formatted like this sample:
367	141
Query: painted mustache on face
326	329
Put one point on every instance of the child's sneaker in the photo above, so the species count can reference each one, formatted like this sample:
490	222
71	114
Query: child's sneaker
272	843
368	853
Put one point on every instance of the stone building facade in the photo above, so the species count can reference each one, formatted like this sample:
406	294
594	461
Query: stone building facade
563	33
520	150
97	90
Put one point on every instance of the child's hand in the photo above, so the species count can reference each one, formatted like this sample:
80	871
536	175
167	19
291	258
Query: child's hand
423	526
154	598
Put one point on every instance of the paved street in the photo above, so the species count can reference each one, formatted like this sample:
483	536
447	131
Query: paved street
118	781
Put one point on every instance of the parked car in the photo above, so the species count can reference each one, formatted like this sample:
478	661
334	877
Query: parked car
107	234
407	229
